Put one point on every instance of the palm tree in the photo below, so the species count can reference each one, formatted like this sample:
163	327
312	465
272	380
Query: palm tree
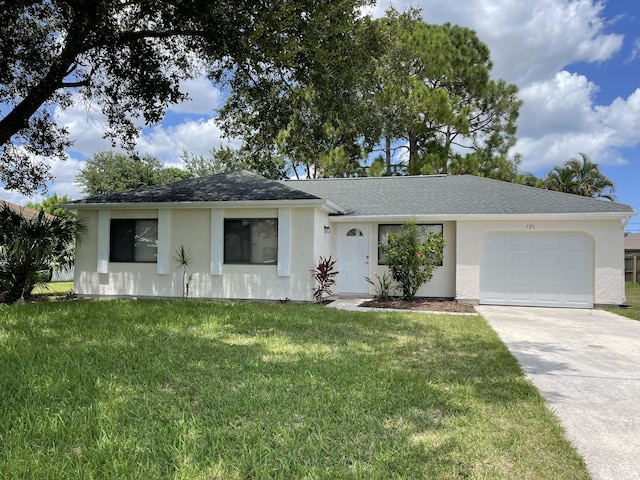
31	247
580	177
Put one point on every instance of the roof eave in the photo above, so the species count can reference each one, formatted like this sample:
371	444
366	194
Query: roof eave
485	217
300	203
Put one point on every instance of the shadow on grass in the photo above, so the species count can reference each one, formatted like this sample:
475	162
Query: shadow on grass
195	389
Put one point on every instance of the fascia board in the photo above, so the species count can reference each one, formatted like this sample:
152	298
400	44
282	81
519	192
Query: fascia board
483	217
319	203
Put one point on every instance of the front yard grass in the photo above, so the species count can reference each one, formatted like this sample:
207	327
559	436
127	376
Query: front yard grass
633	302
175	389
53	288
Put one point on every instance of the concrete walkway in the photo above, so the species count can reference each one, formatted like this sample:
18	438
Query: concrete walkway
586	363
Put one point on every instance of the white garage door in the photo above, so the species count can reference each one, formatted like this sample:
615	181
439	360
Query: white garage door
543	269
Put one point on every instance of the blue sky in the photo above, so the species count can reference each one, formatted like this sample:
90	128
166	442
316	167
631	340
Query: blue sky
576	62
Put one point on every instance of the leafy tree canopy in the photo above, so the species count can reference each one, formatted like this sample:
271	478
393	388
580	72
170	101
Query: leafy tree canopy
111	172
437	100
129	57
48	205
315	126
404	84
227	159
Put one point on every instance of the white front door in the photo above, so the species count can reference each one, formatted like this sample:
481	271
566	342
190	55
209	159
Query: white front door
353	258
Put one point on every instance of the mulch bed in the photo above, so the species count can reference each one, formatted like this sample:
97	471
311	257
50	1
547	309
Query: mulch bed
421	304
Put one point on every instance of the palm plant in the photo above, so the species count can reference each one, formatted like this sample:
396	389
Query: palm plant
184	258
30	248
580	177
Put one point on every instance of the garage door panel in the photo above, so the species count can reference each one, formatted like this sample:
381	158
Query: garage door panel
537	269
521	241
543	242
520	260
496	240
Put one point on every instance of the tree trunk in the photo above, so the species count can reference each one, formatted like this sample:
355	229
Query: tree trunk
387	154
413	149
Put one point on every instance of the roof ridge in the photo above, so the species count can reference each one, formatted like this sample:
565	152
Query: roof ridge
332	179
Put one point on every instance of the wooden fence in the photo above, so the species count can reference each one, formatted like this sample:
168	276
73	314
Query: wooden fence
631	268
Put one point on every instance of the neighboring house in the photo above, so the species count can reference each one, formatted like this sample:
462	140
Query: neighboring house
25	211
253	238
632	244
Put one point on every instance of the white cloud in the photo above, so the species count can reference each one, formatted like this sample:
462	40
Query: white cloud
64	173
529	41
561	104
87	125
168	143
635	50
204	97
598	131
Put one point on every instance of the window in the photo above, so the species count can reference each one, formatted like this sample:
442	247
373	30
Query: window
134	241
252	240
354	232
423	229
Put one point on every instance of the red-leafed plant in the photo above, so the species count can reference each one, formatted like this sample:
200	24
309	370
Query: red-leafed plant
324	273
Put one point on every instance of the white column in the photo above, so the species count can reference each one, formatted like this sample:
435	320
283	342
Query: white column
164	240
284	242
217	241
103	241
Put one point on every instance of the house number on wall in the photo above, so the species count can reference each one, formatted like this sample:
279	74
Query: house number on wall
530	226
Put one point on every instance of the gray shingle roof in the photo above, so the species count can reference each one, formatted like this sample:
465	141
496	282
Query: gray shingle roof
632	242
448	195
373	196
225	187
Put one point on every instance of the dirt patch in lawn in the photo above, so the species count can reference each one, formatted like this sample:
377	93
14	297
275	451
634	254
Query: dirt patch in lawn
421	304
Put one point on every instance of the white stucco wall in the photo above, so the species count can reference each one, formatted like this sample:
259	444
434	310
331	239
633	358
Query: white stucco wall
193	229
443	282
607	236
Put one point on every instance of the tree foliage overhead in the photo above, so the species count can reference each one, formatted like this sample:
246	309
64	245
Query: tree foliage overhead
404	84
110	172
227	159
315	123
436	98
129	56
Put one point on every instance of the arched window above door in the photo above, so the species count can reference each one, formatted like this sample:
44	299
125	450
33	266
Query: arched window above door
354	232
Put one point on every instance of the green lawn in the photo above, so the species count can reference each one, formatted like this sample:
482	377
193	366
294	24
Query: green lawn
54	288
200	390
633	302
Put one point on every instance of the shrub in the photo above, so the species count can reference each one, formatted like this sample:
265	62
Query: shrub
30	248
324	273
411	260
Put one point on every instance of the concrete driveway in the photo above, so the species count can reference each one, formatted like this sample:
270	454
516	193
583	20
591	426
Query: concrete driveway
586	363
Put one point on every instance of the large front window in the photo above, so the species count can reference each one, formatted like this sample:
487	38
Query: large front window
423	230
134	240
251	240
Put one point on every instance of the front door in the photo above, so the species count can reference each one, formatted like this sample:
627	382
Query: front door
353	258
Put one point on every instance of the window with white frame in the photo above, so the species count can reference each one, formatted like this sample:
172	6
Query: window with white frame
251	240
423	230
134	240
